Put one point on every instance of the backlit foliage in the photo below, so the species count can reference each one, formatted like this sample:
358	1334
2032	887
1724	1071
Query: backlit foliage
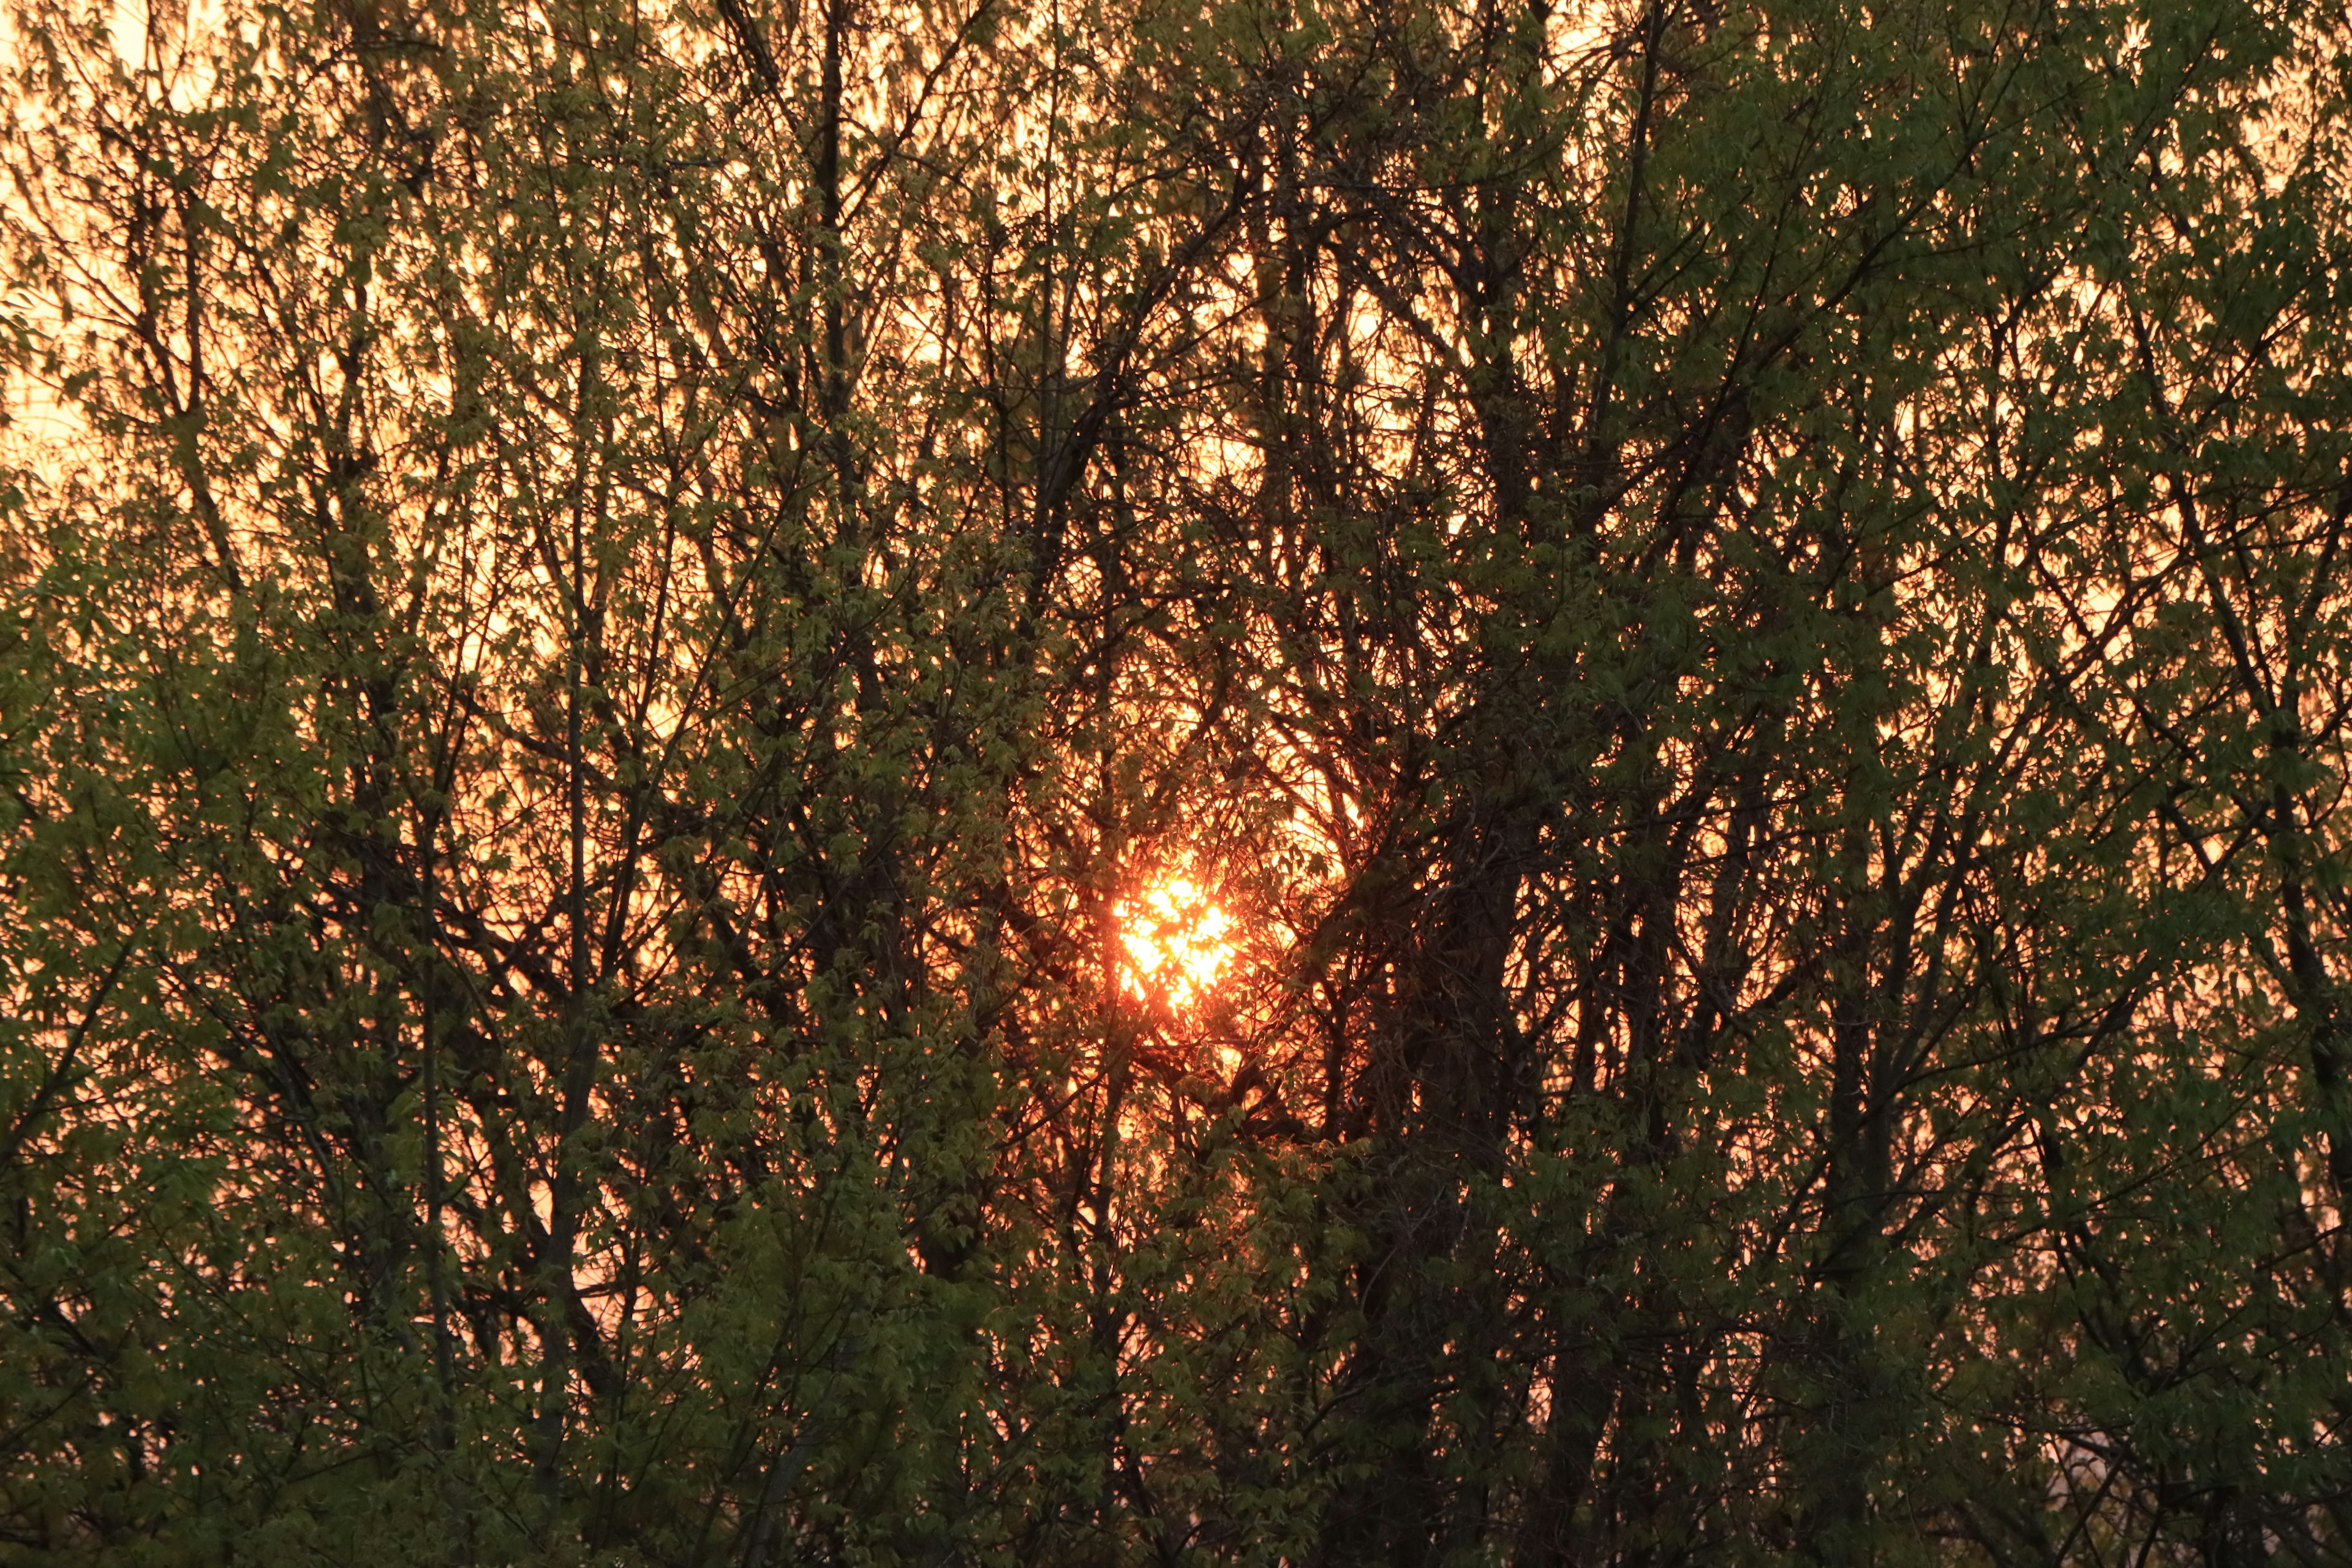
1161	781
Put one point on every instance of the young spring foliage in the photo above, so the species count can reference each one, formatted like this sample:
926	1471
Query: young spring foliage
1739	613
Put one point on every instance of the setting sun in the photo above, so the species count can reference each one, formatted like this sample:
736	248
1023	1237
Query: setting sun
1175	941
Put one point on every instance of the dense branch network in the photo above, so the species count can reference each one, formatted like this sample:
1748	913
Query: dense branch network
1110	782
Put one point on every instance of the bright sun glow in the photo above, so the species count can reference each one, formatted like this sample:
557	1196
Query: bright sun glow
1177	943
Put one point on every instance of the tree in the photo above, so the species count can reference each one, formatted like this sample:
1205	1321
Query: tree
612	617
